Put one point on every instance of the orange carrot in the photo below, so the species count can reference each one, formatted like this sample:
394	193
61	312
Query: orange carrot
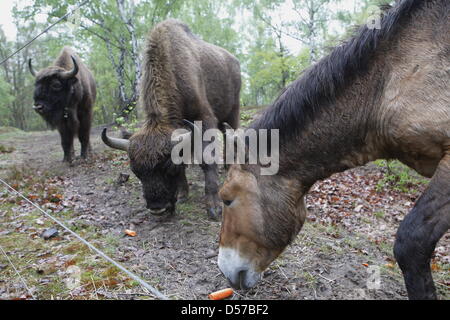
221	294
435	267
130	233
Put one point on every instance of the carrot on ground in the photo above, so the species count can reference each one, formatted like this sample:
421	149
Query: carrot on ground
221	294
130	233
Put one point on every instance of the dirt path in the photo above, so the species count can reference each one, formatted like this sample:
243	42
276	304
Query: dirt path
345	243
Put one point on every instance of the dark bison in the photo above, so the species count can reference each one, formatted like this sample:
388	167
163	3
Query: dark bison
382	94
183	78
64	96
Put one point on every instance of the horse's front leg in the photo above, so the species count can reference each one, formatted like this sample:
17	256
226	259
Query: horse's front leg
420	231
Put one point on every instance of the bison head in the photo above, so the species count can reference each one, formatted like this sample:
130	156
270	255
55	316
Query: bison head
53	89
150	151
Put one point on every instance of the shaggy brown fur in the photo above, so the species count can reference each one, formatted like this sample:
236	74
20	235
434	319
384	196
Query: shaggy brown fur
383	94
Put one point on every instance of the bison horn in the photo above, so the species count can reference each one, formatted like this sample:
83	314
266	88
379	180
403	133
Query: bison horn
178	137
186	138
30	65
115	143
72	73
226	126
193	127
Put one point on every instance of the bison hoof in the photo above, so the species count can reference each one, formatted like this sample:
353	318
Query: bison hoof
182	199
215	213
86	156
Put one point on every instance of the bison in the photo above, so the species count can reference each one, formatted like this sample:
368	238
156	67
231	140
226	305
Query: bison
184	78
64	96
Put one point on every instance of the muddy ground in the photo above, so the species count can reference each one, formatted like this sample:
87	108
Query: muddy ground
347	239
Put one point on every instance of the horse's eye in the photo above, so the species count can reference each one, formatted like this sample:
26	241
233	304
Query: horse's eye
227	202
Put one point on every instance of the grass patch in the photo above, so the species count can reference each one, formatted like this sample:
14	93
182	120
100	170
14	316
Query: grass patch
398	177
5	149
44	264
379	214
247	115
11	132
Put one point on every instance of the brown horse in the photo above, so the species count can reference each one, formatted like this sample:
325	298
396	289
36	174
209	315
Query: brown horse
382	94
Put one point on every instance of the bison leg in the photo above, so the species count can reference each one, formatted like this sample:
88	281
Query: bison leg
67	129
213	204
183	187
84	135
421	230
67	136
234	117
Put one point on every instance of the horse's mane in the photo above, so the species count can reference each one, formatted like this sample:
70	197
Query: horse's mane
321	83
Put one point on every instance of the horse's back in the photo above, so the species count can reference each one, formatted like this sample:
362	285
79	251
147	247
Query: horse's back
416	104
